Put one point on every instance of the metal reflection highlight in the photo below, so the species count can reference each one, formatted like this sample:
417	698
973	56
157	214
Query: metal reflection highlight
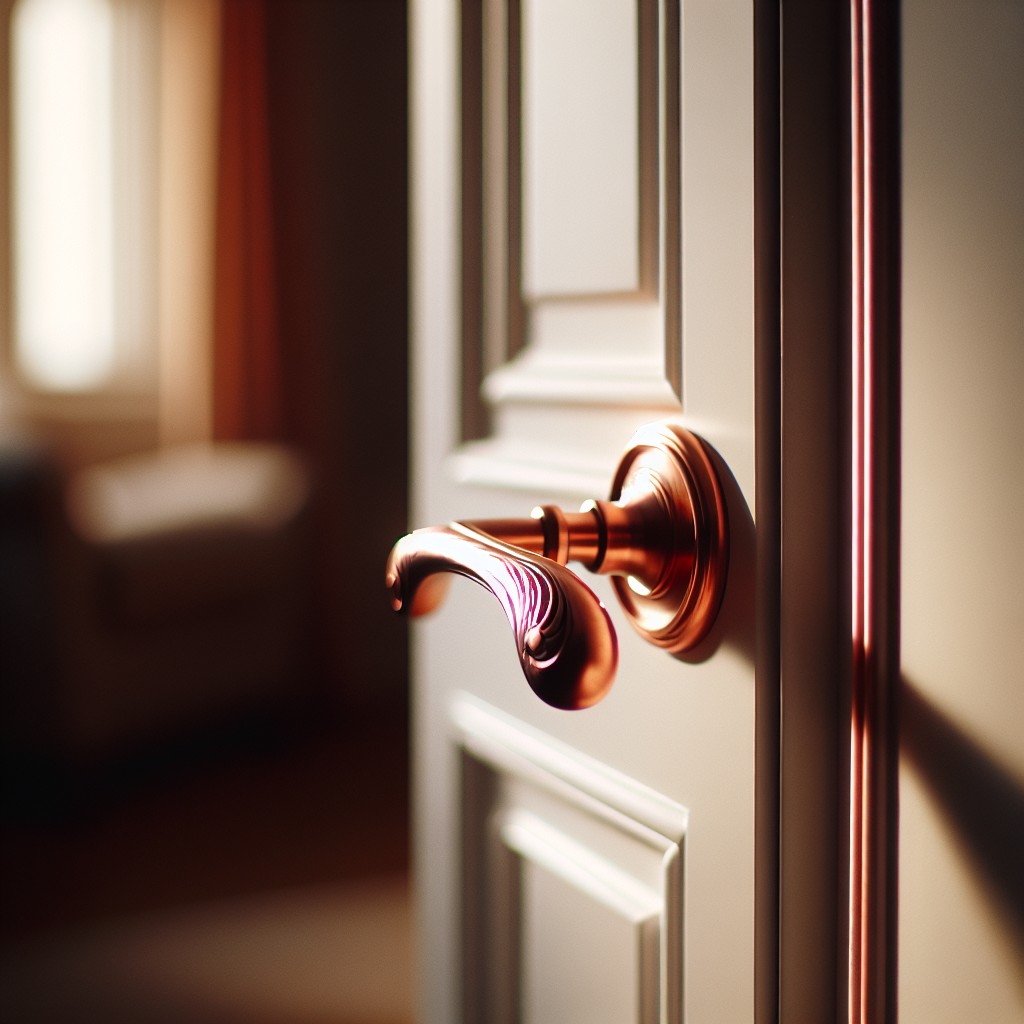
564	637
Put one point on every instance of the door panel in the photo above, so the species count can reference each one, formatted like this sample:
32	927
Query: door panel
563	854
572	357
570	228
581	151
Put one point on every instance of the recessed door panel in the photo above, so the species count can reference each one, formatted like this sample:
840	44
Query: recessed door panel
612	953
573	872
580	147
571	223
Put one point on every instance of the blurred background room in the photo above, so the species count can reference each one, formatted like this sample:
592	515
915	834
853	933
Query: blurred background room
203	694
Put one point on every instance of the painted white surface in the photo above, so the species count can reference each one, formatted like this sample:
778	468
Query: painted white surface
960	950
683	730
604	945
592	863
581	218
596	286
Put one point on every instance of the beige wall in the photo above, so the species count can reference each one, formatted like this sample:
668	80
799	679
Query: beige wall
962	773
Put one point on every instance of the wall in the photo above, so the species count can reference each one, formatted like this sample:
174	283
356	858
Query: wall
961	907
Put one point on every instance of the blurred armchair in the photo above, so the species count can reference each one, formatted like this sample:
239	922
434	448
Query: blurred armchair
148	596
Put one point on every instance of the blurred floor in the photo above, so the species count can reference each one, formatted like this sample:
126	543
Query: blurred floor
258	877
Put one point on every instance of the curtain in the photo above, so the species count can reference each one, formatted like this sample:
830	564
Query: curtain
248	382
310	321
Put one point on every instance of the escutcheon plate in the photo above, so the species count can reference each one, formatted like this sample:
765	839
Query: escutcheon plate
672	470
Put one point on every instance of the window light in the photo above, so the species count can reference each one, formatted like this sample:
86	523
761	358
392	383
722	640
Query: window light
63	211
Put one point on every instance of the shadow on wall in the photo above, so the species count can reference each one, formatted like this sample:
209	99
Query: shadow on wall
980	800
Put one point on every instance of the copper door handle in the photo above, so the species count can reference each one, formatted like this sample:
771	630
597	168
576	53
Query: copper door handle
662	536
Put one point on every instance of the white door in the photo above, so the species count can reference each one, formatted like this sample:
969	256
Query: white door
583	249
726	836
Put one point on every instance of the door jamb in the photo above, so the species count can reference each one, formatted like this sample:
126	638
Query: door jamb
832	409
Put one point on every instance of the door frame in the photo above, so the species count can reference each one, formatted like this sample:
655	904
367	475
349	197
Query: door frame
827	217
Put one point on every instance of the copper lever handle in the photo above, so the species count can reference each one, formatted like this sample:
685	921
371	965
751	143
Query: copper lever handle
662	536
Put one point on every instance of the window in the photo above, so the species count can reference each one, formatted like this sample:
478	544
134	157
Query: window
108	142
84	163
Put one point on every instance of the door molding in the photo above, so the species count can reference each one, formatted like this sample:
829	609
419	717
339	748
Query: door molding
532	804
813	502
519	365
875	507
838	407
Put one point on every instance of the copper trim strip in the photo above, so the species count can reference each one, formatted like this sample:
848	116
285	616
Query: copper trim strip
874	534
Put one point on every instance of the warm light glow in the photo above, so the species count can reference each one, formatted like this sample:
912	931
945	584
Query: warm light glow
63	192
637	587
